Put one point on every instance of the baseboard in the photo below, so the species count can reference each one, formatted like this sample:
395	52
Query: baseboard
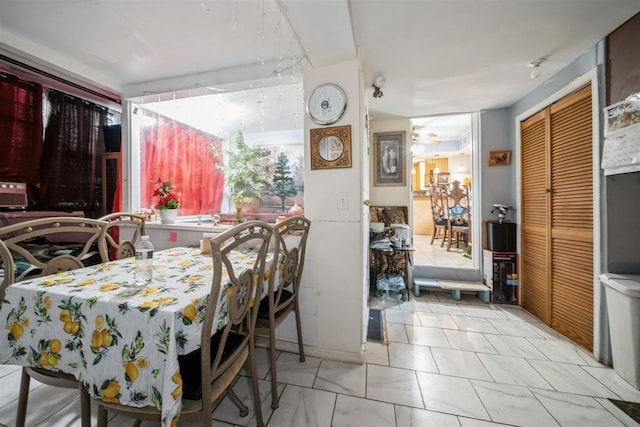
311	351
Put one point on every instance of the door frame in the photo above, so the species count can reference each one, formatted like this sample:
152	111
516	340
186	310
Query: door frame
600	325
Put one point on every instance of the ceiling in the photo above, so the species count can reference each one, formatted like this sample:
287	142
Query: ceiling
437	56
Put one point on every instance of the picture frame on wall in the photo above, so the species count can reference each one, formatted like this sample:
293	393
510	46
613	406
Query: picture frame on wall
389	166
499	158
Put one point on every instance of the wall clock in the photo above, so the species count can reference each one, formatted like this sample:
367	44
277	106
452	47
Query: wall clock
326	104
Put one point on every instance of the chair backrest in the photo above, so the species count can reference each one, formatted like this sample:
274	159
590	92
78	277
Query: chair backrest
290	236
7	269
458	205
123	248
438	208
54	244
239	289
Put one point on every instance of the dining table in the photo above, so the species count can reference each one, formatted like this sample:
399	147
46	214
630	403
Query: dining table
121	341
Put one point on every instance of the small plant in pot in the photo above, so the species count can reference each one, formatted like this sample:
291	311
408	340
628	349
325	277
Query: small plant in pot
168	200
282	184
245	173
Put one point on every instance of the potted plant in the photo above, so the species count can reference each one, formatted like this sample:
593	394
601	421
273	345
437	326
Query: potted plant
168	201
245	173
282	184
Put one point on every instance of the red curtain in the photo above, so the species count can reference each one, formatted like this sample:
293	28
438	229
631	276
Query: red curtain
186	157
20	131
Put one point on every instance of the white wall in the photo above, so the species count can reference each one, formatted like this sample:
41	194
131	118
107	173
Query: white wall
332	280
497	182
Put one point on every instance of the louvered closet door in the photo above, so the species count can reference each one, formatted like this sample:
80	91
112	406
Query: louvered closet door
556	260
572	217
535	219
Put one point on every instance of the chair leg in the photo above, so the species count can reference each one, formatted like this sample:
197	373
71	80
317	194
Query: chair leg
274	372
23	399
255	387
449	240
434	234
102	416
85	406
299	329
244	411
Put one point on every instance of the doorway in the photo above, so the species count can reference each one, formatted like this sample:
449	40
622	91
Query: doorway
442	159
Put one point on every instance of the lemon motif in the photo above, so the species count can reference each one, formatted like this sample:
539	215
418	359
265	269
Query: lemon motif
149	304
85	282
177	392
25	322
109	287
53	361
142	363
47	303
55	346
99	321
96	340
71	327
110	392
106	338
131	371
149	291
166	300
65	316
16	330
190	312
44	359
194	279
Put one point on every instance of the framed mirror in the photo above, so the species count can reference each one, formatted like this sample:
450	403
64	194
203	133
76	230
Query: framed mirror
331	147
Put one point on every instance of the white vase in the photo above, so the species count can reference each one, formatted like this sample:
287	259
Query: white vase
168	216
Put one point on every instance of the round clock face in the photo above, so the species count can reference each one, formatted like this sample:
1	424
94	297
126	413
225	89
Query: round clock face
327	104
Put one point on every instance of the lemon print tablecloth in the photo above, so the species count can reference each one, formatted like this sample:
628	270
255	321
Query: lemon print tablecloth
122	342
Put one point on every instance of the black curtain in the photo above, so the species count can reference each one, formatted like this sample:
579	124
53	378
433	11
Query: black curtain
71	156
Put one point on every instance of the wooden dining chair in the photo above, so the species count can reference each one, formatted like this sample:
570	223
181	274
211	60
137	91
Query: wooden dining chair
209	373
458	215
439	214
88	235
7	268
123	248
290	238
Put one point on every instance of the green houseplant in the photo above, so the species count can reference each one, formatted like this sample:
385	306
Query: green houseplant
246	173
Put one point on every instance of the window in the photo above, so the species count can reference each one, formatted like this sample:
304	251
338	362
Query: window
187	138
61	164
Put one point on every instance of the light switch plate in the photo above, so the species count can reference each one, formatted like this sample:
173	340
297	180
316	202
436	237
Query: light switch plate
342	202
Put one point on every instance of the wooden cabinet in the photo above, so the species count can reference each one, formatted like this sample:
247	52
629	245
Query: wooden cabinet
557	216
422	216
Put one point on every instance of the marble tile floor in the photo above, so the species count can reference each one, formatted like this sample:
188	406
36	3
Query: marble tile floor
445	363
427	254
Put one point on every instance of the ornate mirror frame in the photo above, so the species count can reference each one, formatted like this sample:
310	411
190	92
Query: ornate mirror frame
321	141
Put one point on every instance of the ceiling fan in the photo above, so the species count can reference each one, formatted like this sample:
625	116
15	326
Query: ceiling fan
430	138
